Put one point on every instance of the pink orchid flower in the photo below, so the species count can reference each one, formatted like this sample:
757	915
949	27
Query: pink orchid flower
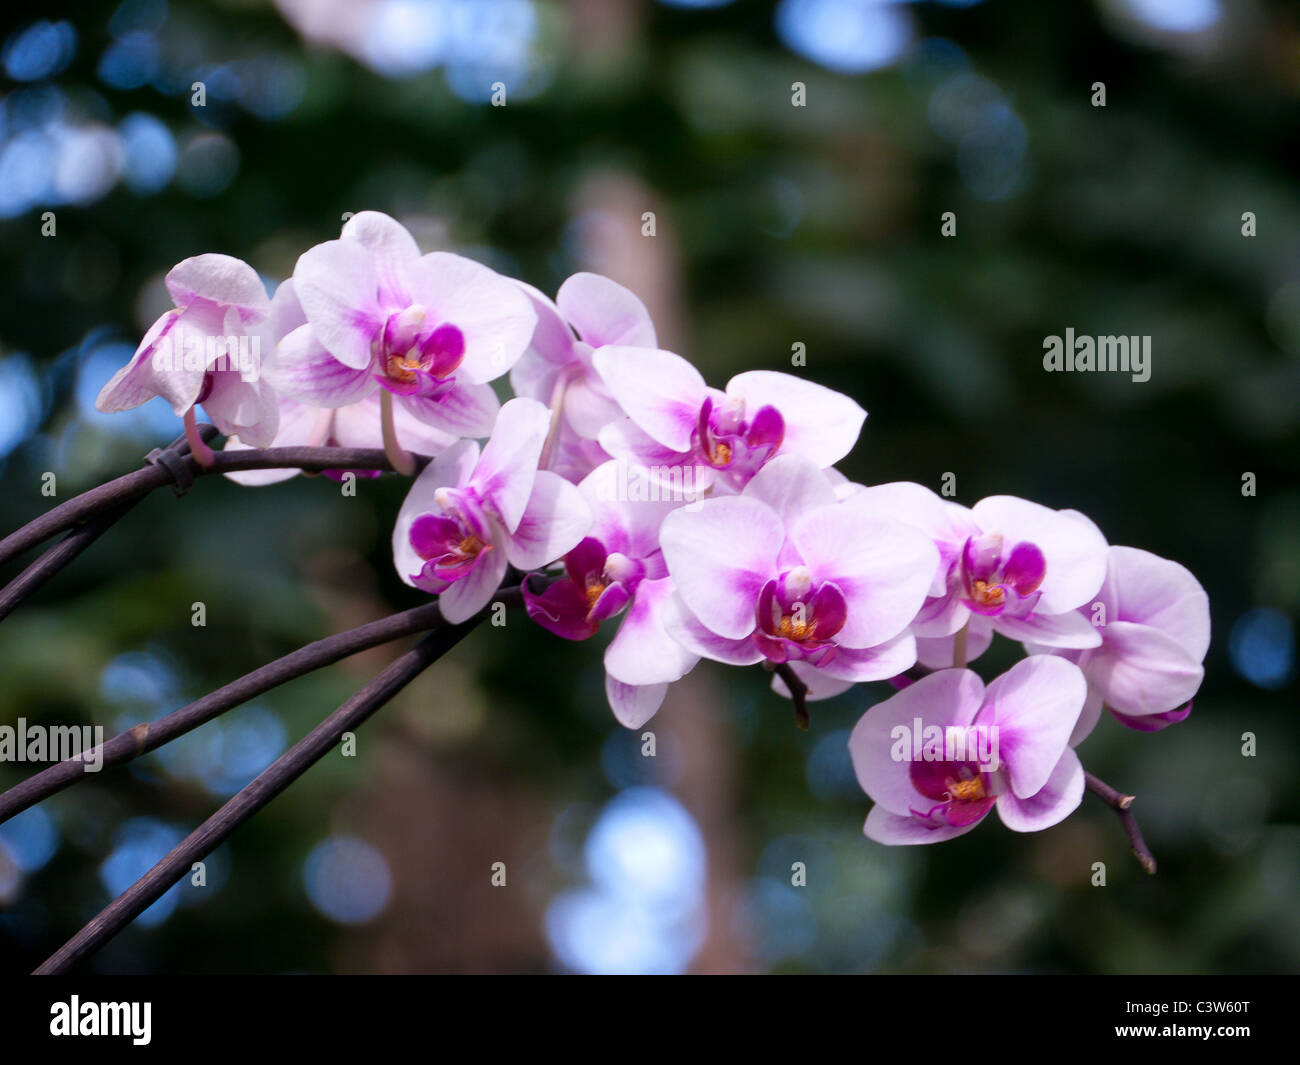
618	569
921	754
470	515
303	425
785	573
1153	618
1009	566
430	331
187	357
589	312
677	422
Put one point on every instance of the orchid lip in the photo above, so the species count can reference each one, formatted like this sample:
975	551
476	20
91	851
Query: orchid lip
797	619
730	442
464	505
597	586
450	550
995	581
416	357
962	792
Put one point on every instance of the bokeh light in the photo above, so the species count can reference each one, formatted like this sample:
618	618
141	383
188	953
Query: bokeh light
1262	646
643	913
347	880
41	50
847	36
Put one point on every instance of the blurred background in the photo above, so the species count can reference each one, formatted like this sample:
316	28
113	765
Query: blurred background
775	225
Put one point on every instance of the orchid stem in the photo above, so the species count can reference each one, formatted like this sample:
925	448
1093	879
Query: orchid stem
959	646
798	693
145	737
139	483
198	446
402	460
558	391
1120	803
250	799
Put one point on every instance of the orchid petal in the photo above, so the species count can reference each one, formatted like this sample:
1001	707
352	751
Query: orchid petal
1071	630
1088	717
358	425
721	552
463	410
508	466
1073	547
304	370
895	830
552	341
220	279
791	485
587	408
819	684
145	376
604	312
703	642
880	662
382	235
554	521
1160	593
620	523
1059	797
495	317
467	596
643	652
884	569
1035	705
337	285
948	697
661	392
247	409
561	609
938	653
1141	670
820	423
300	426
634	705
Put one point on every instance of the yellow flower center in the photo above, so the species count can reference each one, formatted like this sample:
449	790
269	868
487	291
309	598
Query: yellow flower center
988	596
967	790
793	628
401	368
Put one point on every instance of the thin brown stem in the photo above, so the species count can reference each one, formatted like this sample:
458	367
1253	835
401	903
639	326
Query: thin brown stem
139	483
798	693
170	459
1120	803
265	787
58	556
145	737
